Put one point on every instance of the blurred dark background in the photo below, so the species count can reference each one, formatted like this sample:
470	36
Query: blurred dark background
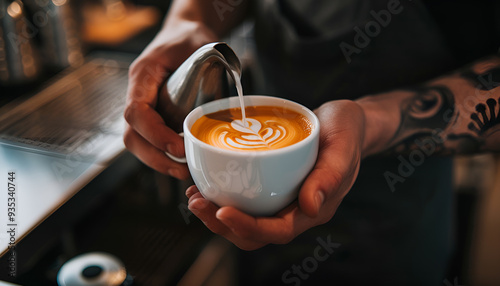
141	216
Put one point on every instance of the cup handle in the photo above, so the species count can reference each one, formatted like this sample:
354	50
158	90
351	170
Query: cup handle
177	159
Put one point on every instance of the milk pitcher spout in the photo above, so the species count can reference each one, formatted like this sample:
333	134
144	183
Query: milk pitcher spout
200	79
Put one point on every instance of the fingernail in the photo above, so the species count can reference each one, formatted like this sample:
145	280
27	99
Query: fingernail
224	220
320	198
219	217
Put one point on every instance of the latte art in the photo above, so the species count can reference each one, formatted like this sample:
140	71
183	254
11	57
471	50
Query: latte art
266	128
251	137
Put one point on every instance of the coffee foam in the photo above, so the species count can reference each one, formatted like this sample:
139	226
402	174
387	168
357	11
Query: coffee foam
266	128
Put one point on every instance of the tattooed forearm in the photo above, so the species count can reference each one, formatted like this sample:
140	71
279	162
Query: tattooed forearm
485	81
460	113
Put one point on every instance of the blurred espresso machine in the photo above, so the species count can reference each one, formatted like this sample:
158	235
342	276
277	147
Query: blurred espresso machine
37	36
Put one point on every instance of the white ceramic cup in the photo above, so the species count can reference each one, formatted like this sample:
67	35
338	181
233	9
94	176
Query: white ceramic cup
260	183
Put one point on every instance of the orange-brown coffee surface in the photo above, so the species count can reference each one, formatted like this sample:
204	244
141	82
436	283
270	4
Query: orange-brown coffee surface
266	128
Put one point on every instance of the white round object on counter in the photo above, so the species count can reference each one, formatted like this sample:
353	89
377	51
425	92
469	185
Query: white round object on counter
92	269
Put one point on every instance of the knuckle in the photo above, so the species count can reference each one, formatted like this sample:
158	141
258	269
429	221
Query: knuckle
127	138
336	178
135	66
132	110
129	111
132	69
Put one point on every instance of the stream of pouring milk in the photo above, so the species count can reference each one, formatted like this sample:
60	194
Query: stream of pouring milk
239	89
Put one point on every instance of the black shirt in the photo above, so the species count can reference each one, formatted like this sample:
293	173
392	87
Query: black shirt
316	51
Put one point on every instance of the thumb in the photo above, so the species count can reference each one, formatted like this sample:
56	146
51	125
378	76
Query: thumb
320	183
332	177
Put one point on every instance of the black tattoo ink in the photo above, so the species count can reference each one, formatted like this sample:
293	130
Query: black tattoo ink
486	117
430	119
429	107
427	111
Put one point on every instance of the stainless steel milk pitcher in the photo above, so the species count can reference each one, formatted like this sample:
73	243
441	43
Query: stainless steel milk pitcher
200	79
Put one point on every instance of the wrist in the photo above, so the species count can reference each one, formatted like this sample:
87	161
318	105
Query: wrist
372	128
382	114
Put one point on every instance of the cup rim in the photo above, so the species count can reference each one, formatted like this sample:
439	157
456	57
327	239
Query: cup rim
314	134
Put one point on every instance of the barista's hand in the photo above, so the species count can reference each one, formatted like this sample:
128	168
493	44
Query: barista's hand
146	134
341	141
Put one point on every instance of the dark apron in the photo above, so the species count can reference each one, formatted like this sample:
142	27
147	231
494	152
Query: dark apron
316	51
